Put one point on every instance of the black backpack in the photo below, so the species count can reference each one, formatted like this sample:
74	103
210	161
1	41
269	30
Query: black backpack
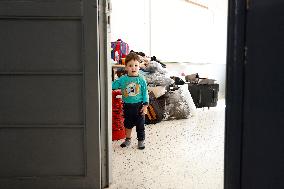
155	113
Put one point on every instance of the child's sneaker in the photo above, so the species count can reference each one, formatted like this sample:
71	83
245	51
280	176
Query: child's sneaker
126	143
141	144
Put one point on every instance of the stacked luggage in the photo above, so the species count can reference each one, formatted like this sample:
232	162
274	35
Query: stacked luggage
118	130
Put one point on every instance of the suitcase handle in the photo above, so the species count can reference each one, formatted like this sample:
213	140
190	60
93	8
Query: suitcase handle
214	95
199	100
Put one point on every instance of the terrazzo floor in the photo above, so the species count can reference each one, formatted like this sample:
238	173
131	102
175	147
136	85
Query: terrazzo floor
179	154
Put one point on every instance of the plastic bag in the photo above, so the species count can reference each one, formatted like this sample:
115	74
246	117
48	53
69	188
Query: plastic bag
179	104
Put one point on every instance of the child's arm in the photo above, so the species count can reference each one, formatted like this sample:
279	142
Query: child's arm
116	84
145	97
145	93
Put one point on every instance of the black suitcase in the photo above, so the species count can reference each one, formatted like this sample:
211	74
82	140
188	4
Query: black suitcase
204	95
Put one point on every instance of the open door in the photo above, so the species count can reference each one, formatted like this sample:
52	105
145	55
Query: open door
49	80
254	117
234	94
262	160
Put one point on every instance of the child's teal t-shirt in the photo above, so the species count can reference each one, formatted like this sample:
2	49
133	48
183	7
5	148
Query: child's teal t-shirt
133	89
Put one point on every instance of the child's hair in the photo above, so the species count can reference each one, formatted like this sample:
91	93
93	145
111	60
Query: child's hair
139	53
132	56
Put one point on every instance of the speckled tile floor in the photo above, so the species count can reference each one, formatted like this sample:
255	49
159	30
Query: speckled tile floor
179	154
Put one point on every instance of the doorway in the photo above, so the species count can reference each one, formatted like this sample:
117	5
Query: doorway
76	23
178	64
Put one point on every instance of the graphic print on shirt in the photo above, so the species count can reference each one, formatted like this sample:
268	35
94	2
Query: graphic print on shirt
132	89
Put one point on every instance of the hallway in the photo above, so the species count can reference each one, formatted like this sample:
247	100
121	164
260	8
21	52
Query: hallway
179	154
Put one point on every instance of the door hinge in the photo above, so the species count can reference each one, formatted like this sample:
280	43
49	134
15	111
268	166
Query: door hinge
245	54
108	7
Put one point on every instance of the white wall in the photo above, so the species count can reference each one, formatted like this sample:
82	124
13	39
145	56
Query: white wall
210	71
130	22
181	31
219	9
178	32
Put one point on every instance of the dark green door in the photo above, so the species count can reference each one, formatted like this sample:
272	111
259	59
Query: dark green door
49	96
